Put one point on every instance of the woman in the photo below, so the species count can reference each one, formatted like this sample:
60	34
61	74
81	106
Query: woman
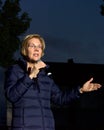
30	89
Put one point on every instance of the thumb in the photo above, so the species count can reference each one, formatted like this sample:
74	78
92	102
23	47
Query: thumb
91	79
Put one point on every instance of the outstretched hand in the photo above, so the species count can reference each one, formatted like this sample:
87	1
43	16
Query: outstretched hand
89	86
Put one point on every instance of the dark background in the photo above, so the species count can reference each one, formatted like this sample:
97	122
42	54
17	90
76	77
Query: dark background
87	112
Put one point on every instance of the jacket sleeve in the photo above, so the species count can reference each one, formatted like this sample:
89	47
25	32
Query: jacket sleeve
16	86
61	97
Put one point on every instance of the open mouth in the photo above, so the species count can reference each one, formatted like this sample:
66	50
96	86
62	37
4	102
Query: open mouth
35	54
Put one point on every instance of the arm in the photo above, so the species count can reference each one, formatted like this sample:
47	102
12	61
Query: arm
61	98
66	97
16	84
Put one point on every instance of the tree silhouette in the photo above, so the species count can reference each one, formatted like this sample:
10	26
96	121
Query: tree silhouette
13	24
102	8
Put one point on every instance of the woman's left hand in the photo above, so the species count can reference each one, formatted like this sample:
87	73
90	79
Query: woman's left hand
89	86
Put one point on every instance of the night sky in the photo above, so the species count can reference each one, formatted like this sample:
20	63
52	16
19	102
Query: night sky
72	29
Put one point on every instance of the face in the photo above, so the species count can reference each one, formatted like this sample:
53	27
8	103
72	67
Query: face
34	50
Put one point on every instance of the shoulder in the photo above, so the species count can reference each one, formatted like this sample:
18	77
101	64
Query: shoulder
18	66
12	68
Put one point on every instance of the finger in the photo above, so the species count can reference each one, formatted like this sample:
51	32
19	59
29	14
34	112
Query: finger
91	79
96	84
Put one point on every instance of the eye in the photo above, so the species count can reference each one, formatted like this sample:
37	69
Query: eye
34	46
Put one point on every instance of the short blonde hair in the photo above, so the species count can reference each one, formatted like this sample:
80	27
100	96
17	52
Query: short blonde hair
25	43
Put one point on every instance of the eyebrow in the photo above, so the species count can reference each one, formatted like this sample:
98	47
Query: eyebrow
35	43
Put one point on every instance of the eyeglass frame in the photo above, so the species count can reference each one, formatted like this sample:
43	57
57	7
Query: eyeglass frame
34	46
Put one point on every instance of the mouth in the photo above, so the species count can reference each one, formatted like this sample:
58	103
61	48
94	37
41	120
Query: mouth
36	55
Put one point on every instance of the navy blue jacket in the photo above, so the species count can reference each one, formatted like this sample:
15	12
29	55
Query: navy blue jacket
31	98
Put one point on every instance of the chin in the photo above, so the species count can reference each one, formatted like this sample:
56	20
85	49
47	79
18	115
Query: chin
32	60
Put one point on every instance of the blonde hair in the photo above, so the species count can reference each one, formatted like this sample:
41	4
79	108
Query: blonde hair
25	43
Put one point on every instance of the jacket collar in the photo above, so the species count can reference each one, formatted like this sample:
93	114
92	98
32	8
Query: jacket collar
23	64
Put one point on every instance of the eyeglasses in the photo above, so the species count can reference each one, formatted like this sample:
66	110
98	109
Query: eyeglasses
34	46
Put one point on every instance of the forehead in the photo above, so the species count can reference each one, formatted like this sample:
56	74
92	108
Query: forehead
34	41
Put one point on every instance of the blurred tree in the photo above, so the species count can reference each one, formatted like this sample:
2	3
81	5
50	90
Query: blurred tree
0	3
12	25
102	8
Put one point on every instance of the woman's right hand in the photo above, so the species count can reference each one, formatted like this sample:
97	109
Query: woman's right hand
34	70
